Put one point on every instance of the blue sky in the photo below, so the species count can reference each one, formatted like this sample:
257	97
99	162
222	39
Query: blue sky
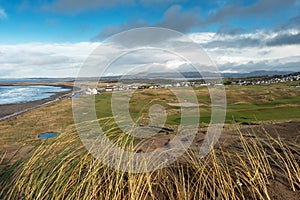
217	25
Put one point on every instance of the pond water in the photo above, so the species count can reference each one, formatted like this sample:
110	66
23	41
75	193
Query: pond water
48	135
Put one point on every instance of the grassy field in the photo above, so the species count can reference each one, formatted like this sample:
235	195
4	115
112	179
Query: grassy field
242	166
245	104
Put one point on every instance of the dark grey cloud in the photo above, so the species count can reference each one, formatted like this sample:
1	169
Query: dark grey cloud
234	43
240	41
293	22
260	8
160	2
227	30
285	39
111	30
74	6
174	18
184	21
143	37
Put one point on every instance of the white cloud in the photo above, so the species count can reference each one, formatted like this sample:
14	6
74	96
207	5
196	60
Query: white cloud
229	55
3	14
202	38
43	60
174	64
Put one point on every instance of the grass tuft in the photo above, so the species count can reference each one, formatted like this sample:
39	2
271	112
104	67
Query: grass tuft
63	169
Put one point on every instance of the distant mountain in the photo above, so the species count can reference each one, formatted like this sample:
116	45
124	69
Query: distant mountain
166	75
255	74
197	75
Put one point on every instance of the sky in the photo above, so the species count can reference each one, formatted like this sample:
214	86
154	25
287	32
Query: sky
54	38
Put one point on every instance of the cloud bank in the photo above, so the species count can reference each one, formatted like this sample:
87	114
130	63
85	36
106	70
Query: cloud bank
43	60
231	53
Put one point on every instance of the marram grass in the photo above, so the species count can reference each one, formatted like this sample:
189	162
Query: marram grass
63	169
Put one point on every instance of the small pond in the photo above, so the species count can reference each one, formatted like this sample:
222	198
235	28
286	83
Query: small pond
48	135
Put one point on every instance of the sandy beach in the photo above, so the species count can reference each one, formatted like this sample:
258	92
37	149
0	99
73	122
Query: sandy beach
11	110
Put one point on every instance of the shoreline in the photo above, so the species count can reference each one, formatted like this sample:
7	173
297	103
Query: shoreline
8	111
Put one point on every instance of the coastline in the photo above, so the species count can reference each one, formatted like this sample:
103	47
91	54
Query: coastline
8	111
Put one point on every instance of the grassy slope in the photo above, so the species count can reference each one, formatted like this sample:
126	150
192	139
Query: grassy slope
251	168
255	103
23	131
61	169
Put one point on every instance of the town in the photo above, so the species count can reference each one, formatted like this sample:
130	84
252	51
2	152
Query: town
119	86
268	80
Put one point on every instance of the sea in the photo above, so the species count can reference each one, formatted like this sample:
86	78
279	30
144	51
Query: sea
34	80
22	94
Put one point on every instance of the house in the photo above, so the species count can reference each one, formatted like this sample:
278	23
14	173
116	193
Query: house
100	90
109	88
90	91
144	87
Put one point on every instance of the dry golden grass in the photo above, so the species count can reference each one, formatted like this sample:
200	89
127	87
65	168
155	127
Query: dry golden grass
53	117
63	169
20	134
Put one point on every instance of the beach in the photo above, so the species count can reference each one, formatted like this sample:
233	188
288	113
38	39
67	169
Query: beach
11	110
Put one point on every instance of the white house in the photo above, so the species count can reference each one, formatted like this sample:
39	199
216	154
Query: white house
90	91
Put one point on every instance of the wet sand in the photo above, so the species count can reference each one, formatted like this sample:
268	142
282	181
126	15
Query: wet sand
11	110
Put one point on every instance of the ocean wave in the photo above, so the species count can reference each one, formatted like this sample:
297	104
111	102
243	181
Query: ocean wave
22	94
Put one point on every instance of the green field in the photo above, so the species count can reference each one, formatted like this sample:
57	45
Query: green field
244	103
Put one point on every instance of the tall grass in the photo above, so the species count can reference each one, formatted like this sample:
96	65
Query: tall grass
63	169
